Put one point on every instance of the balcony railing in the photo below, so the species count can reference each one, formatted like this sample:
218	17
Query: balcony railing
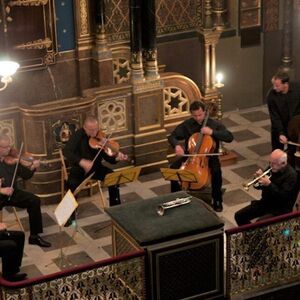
263	255
119	278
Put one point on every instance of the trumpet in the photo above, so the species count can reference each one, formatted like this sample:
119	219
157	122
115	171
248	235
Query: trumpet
174	203
255	182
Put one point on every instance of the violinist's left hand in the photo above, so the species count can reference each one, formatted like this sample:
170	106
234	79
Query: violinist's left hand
121	156
35	164
206	130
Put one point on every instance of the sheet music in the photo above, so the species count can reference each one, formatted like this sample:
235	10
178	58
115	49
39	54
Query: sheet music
65	208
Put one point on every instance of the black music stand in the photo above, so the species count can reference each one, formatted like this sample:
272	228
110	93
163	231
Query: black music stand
180	175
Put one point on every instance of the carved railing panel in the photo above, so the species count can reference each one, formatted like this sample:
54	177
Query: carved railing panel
119	279
263	255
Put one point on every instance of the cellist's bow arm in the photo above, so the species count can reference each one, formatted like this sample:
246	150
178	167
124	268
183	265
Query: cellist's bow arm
179	151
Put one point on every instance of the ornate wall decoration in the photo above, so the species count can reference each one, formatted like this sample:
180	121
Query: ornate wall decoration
121	71
175	102
83	17
28	32
8	127
112	115
271	15
117	19
171	17
63	129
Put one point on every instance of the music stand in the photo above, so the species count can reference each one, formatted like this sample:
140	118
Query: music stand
121	176
62	213
74	224
180	175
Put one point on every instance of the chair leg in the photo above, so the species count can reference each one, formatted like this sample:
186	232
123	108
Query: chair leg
102	199
18	219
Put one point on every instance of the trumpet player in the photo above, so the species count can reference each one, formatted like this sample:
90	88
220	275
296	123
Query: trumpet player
279	191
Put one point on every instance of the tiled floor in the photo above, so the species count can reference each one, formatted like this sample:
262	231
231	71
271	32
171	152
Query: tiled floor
91	241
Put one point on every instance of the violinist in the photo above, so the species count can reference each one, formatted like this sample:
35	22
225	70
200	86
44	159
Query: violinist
214	129
11	195
81	156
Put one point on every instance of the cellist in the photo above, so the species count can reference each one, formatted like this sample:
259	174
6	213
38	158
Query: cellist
213	128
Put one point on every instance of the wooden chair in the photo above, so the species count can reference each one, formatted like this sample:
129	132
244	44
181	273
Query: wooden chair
88	185
17	219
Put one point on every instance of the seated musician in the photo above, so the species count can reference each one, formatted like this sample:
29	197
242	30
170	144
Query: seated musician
11	195
81	155
279	191
214	129
11	251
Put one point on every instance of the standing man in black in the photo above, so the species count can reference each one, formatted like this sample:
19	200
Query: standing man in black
81	155
279	191
11	251
213	128
13	196
283	103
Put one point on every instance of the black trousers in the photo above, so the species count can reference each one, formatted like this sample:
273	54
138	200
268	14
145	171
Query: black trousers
77	175
254	210
216	178
11	251
31	202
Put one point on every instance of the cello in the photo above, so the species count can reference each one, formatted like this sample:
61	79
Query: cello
199	145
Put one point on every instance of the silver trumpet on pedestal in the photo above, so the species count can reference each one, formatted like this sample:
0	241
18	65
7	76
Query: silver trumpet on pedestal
171	204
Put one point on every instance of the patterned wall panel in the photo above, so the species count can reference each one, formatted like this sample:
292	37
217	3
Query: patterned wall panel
271	15
176	102
7	127
171	16
112	115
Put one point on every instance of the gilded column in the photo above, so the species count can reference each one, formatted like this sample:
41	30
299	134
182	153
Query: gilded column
102	55
208	19
84	43
219	10
286	59
137	74
149	39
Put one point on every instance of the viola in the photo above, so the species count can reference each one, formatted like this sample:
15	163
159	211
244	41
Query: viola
199	143
102	141
12	158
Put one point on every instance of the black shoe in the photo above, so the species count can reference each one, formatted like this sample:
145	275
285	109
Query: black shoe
218	207
15	277
37	240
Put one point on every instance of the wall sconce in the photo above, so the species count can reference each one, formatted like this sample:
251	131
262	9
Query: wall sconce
219	79
7	69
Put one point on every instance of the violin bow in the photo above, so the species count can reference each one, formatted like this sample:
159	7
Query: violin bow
16	169
106	140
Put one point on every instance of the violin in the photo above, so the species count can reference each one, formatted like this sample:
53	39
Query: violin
102	141
13	156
